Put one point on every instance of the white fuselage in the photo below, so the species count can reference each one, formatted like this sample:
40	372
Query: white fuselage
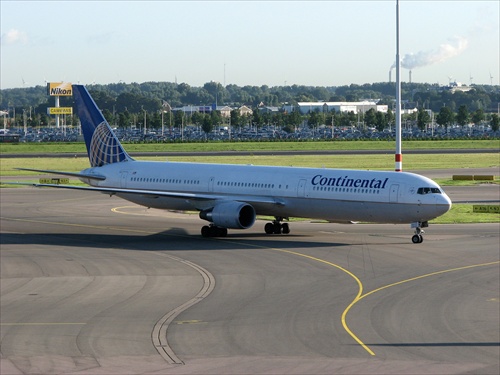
339	195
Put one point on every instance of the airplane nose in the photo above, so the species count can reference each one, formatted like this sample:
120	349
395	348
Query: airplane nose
443	203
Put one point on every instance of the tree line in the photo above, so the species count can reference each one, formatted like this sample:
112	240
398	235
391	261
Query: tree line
124	104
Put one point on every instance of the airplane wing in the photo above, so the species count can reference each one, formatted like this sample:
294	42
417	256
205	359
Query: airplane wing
161	193
70	174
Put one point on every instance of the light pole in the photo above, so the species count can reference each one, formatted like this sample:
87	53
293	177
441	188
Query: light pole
25	122
166	107
333	135
4	114
162	112
144	119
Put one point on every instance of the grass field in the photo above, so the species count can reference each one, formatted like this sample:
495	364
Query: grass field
46	148
375	162
463	213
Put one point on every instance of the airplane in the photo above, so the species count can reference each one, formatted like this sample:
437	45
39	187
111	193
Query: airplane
231	196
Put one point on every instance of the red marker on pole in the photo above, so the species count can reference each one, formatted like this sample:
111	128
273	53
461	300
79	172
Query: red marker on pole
399	156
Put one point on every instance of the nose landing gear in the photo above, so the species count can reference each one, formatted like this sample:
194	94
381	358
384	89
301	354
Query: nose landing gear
417	237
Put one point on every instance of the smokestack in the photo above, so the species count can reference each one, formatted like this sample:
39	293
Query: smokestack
410	75
390	73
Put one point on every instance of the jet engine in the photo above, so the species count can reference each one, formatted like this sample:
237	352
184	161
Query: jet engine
234	215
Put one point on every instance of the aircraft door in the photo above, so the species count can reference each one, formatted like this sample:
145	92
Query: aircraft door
211	184
393	194
123	179
301	189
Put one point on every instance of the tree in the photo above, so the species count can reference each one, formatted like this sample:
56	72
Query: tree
128	101
371	118
103	99
294	119
478	116
124	119
178	118
108	116
381	121
197	118
423	118
217	91
235	117
463	115
390	117
347	119
207	125
352	97
155	120
445	117
337	98
215	118
44	120
279	119
314	118
495	122
257	118
266	118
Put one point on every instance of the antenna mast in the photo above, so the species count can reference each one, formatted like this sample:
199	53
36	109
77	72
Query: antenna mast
398	156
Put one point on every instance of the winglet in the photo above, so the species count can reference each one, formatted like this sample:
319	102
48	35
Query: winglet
103	147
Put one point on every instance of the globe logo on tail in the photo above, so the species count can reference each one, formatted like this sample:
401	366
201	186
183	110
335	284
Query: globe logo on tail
105	147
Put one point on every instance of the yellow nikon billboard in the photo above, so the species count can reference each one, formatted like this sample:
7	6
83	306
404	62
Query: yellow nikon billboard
60	110
59	89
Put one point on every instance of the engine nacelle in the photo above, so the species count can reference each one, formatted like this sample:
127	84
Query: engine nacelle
234	215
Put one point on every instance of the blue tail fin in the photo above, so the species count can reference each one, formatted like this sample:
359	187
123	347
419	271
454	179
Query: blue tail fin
102	145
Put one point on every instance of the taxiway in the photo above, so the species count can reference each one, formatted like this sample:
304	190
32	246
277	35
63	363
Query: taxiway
95	285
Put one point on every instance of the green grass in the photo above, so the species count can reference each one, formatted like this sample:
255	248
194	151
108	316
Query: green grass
254	146
451	182
380	162
463	213
377	162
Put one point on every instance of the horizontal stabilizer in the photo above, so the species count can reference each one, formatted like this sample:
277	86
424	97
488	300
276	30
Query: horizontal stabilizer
70	174
159	193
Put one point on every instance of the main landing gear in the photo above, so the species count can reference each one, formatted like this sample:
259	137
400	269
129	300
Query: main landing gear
276	227
213	231
417	237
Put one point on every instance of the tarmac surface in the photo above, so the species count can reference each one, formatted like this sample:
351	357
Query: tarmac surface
96	285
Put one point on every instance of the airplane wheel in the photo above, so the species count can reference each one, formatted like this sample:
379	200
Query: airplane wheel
285	228
205	231
417	238
269	228
213	231
277	228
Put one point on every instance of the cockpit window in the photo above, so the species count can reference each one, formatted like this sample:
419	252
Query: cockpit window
428	190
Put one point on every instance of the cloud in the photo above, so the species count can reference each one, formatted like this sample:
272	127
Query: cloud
445	51
14	36
103	38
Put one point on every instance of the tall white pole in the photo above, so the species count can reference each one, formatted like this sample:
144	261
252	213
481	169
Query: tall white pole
398	156
57	115
162	112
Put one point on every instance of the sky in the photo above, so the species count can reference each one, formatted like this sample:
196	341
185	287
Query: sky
273	43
